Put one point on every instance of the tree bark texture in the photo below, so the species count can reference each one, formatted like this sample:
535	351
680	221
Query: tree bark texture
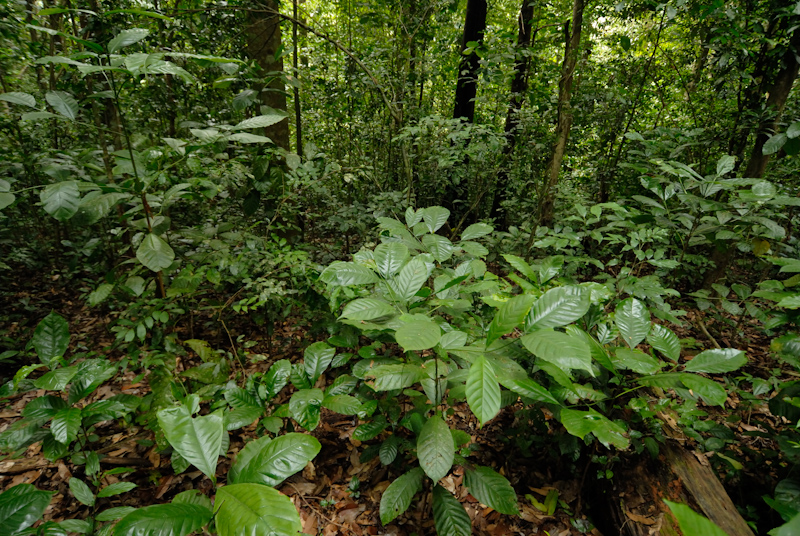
263	44
467	78
564	117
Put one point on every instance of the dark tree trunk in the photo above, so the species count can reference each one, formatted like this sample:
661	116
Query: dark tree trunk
466	85
263	42
564	121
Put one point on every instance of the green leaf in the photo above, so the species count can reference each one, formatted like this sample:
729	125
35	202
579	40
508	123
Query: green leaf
390	257
389	377
370	430
117	488
100	294
450	517
491	489
417	333
397	497
435	217
126	38
580	423
63	103
56	380
717	361
665	341
565	350
6	198
197	439
633	321
510	315
435	448
389	449
17	97
61	200
20	507
115	513
304	407
692	523
79	526
262	121
246	137
347	274
277	376
725	164
239	398
476	230
410	279
636	360
367	309
65	425
154	253
774	144
712	392
529	389
255	509
44	407
558	307
521	266
81	491
483	391
163	520
271	462
791	528
764	190
316	359
440	247
51	338
342	404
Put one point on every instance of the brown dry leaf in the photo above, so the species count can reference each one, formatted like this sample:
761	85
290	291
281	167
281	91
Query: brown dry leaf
26	478
163	485
309	523
640	519
310	472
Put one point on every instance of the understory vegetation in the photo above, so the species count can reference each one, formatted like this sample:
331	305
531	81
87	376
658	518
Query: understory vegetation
397	267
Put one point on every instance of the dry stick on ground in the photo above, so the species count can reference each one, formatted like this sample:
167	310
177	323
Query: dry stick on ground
702	327
315	510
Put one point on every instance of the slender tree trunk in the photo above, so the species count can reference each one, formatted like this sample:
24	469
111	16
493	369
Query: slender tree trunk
467	78
564	117
263	45
519	86
298	128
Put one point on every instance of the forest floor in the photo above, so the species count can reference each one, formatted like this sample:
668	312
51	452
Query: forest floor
339	492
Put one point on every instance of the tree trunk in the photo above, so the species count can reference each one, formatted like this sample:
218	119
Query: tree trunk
519	86
263	44
298	126
564	121
467	78
776	101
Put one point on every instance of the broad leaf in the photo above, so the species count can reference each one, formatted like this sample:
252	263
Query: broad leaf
438	246
491	489
397	497
521	266
529	389
476	230
417	332
717	361
435	217
81	491
347	274
275	379
566	351
117	488
304	407
558	307
633	321
262	121
163	520
390	257
410	279
483	391
17	97
636	360
271	462
367	309
665	341
197	439
20	507
342	404
61	200
435	448
510	315
56	380
255	509
581	423
154	253
316	359
126	38
51	338
389	449
450	517
692	523
712	392
725	164
65	425
774	144
63	103
389	377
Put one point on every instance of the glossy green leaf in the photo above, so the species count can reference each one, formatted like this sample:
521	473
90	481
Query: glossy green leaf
304	407
581	423
342	404
397	497
262	121
112	514
348	273
521	266
491	489
529	389
126	38
410	279
435	448
558	307
476	230
440	247
63	103
117	488
725	164
18	97
636	360
44	407
774	144
51	338
65	425
154	253
417	332
276	377
270	462
61	200
239	398
20	507
56	380
717	361
709	390
692	523
163	520
197	439
389	449
665	341
483	390
510	315
255	509
81	491
633	321
368	309
316	359
389	377
390	257
449	516
435	217
565	350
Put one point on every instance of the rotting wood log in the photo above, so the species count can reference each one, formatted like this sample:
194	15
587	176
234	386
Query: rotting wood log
636	495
